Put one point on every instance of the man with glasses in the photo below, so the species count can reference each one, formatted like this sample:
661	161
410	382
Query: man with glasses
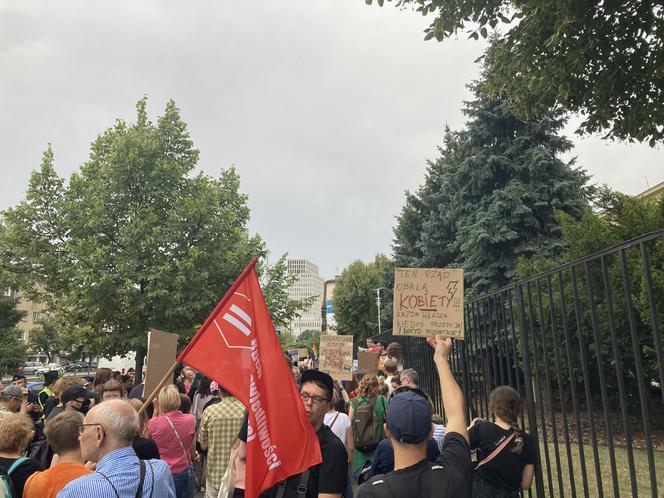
105	437
11	401
329	478
409	427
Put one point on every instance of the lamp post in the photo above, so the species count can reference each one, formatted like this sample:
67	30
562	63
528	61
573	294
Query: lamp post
378	305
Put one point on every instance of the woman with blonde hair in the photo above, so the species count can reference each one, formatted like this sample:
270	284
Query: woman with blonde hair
366	438
174	432
16	431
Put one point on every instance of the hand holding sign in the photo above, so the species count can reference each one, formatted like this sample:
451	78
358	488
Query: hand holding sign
441	345
428	302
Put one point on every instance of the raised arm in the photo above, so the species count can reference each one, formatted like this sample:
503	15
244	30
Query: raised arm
453	401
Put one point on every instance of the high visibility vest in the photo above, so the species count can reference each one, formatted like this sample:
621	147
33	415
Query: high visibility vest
47	391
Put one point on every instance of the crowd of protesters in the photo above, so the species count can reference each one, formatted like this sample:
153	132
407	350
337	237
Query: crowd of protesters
378	436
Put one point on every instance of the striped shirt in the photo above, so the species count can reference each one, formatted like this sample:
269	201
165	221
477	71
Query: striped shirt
122	469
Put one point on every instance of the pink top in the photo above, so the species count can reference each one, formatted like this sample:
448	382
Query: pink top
167	442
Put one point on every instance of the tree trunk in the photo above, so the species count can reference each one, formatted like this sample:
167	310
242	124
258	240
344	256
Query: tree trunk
140	357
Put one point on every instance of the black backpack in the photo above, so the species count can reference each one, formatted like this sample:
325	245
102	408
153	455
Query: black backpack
42	452
6	484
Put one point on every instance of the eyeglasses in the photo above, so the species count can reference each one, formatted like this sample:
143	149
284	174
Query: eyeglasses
81	427
314	399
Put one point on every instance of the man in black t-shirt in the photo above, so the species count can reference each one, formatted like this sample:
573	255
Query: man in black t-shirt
408	426
327	479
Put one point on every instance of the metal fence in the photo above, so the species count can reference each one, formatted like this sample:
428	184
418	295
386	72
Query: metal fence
582	344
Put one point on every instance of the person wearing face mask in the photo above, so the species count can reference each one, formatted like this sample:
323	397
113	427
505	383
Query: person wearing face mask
75	398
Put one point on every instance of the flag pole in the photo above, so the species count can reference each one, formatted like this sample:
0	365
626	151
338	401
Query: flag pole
194	339
155	391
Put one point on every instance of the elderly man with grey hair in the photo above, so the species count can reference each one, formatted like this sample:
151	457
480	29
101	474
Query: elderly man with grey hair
11	401
105	437
410	378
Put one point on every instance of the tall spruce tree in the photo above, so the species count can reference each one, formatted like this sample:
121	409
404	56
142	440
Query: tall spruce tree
491	196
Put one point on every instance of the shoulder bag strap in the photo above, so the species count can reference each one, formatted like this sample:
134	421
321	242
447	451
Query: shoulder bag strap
186	455
281	489
334	419
109	481
498	449
139	491
16	463
302	486
152	475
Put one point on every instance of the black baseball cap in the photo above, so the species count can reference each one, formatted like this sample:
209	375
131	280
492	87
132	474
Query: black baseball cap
50	377
74	392
17	376
409	417
309	375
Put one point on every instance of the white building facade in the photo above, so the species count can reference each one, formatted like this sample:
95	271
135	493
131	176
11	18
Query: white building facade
308	283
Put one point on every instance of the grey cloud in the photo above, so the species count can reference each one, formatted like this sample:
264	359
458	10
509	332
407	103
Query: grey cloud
329	109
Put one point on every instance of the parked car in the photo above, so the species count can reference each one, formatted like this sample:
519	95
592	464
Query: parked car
35	387
50	366
78	366
32	368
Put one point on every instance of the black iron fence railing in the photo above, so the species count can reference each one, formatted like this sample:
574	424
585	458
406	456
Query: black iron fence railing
583	345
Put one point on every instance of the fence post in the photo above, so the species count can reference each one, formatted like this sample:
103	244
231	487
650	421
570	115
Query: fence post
528	384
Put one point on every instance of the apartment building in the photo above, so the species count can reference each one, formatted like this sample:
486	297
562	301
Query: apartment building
308	283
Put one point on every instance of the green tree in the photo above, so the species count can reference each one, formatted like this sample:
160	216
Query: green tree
354	298
45	338
603	60
621	218
13	352
135	240
491	196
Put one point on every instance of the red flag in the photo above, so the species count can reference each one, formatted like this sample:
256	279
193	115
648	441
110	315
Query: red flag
237	346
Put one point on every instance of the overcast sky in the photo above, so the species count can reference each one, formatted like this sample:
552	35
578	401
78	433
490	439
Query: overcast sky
329	109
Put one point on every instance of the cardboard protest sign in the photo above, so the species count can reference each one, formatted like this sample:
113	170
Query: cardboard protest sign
367	361
303	353
162	350
428	302
336	356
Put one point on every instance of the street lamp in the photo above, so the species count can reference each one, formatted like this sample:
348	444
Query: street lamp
378	305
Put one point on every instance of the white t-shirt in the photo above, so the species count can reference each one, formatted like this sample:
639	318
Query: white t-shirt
388	383
340	426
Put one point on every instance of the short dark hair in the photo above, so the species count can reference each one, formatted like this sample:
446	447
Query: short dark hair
62	431
185	403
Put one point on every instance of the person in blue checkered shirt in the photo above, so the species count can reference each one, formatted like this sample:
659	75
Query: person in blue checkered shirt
106	435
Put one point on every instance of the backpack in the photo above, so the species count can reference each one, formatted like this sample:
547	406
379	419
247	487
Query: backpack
42	452
6	485
367	428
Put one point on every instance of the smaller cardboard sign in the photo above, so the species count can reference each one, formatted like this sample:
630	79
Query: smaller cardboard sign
428	302
303	353
367	361
336	356
162	351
